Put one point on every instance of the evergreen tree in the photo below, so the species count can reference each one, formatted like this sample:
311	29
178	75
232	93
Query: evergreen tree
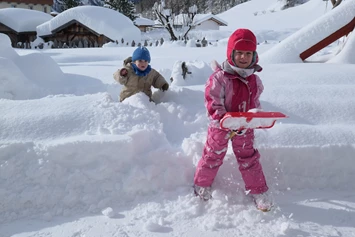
67	4
126	7
96	2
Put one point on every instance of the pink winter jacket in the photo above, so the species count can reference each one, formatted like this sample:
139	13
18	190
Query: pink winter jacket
227	91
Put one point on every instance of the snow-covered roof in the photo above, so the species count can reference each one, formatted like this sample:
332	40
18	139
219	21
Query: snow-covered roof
23	20
157	22
198	19
143	22
105	21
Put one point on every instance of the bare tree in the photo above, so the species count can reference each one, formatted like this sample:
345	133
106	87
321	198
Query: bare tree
165	17
191	15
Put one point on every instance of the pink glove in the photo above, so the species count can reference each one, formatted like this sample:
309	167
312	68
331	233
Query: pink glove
123	72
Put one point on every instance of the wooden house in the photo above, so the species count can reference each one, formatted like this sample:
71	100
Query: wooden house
88	26
208	22
20	25
18	39
200	22
39	5
76	35
143	24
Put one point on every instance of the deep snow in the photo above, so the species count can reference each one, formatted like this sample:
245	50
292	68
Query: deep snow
76	162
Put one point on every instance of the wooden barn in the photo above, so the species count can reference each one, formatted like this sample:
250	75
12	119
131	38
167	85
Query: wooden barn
87	27
18	39
20	25
200	22
39	5
75	35
144	24
208	22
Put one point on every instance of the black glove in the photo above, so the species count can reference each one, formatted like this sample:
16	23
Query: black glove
165	87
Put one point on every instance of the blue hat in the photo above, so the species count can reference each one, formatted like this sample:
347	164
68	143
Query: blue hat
141	53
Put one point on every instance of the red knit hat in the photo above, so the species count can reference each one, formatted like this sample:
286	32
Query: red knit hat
241	39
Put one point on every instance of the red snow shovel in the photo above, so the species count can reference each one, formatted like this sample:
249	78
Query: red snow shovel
239	121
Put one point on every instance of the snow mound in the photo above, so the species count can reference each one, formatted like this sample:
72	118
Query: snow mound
22	77
197	73
289	50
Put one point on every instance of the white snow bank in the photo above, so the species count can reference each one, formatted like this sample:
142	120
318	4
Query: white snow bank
346	55
194	68
288	50
114	146
260	15
126	169
37	75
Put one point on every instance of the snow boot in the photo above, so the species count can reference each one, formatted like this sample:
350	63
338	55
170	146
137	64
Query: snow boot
263	201
203	192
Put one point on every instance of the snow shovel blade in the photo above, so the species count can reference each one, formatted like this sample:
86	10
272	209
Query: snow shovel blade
253	120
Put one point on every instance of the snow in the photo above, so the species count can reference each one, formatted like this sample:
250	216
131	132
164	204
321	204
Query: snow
199	18
314	32
182	19
141	21
346	55
76	162
105	21
23	20
259	17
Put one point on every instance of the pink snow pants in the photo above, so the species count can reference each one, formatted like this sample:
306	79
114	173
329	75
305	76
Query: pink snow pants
247	157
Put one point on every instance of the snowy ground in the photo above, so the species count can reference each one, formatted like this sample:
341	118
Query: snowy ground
75	162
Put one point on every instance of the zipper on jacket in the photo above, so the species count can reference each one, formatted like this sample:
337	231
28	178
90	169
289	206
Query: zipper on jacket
249	93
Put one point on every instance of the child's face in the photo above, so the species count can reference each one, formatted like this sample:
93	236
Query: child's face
141	64
243	59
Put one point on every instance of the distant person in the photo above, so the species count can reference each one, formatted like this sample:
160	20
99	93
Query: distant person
233	87
138	76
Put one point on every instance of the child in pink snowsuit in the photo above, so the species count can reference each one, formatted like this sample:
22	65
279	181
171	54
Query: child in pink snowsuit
233	87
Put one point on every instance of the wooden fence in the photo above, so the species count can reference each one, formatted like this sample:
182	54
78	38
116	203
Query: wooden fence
82	44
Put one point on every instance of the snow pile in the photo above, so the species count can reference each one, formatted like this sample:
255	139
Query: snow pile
193	73
23	77
67	154
288	50
260	15
73	145
78	163
346	54
15	85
